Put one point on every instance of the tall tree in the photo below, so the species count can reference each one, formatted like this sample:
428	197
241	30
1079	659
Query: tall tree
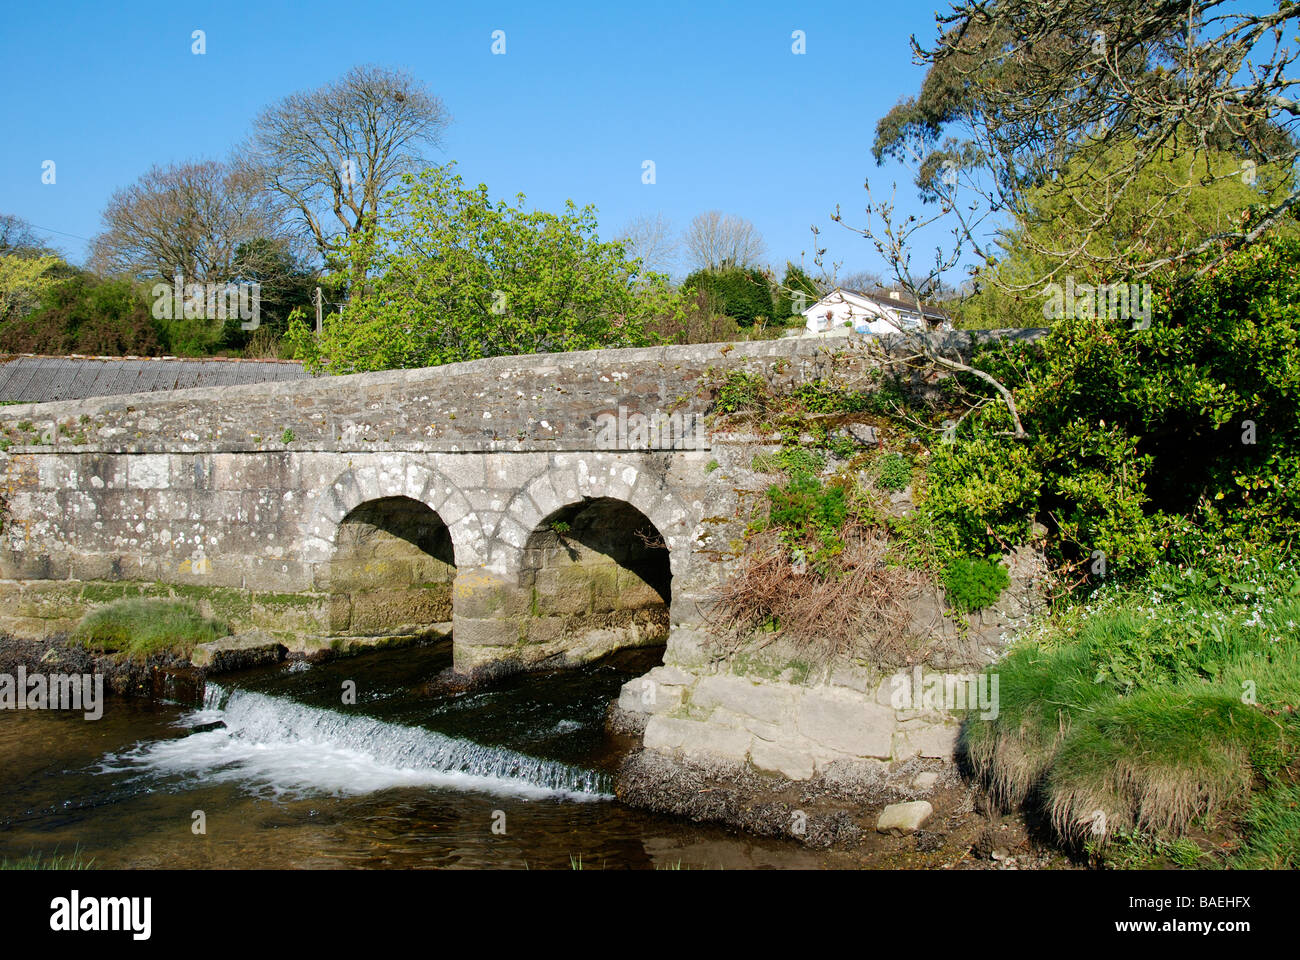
453	275
1019	93
715	240
19	238
187	218
653	241
332	152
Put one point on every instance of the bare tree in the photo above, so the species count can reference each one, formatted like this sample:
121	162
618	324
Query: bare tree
189	218
332	152
863	281
715	239
653	240
19	238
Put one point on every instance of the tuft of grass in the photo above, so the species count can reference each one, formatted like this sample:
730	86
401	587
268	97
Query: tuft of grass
138	627
1152	707
56	861
1139	851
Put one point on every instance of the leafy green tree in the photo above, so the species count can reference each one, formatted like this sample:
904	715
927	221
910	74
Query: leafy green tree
1059	237
1019	90
448	275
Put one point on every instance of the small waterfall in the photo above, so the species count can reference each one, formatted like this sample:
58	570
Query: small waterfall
275	745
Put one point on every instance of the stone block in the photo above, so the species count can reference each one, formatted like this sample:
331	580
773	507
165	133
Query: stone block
900	819
775	758
485	633
937	740
851	725
765	702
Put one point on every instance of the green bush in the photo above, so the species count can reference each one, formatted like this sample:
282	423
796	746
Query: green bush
138	627
743	294
1174	442
974	584
87	315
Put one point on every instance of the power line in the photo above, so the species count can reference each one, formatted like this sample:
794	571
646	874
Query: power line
62	233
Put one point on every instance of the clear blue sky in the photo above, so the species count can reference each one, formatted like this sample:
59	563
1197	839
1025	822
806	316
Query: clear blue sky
711	92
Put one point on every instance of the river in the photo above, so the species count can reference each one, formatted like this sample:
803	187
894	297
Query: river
409	776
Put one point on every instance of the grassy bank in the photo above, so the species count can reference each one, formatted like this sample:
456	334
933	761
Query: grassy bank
1156	711
56	861
140	627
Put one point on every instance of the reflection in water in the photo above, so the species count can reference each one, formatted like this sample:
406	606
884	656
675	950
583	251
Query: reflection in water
405	778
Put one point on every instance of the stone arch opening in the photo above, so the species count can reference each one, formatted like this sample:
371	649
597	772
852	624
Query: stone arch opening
392	570
600	580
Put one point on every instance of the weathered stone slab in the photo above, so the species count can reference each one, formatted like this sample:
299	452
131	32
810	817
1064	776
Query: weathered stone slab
239	652
850	725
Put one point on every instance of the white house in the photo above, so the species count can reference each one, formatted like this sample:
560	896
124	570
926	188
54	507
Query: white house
881	312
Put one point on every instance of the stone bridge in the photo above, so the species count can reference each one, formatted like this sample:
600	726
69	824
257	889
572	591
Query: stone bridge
544	509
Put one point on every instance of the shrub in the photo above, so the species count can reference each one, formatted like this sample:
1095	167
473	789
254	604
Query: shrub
1166	443
87	315
974	584
809	512
743	294
895	472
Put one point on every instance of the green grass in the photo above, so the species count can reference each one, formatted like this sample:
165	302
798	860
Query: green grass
56	861
1154	707
139	627
1139	851
1273	822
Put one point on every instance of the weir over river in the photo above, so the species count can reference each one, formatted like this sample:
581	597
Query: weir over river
406	778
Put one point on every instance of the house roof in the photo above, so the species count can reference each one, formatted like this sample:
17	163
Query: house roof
901	302
28	378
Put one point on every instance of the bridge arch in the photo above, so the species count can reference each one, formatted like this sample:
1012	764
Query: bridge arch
573	479
396	477
598	577
392	570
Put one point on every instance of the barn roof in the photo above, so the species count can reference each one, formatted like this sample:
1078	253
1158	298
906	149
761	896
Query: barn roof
26	378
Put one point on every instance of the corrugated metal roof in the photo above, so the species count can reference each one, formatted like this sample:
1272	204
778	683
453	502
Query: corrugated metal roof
31	379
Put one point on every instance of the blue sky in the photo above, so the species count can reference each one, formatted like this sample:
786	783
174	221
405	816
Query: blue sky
711	92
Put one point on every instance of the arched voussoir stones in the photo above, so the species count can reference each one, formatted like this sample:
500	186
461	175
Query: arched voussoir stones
405	477
570	479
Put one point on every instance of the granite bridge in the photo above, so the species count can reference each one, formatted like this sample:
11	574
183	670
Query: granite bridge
545	510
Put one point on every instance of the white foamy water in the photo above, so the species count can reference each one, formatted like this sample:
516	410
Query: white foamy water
286	749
